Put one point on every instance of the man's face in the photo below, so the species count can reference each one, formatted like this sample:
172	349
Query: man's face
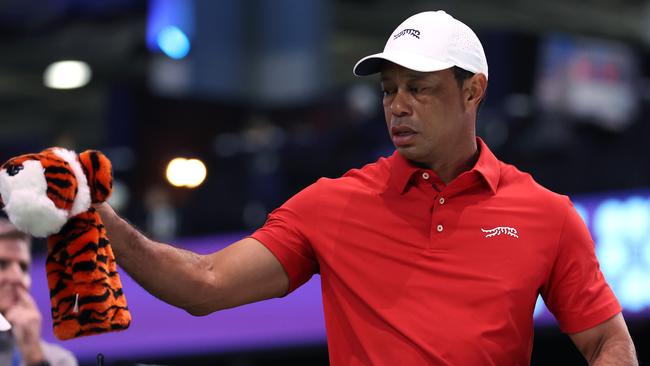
15	261
424	112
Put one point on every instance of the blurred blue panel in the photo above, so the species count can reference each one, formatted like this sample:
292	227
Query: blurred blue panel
219	62
291	24
291	64
622	229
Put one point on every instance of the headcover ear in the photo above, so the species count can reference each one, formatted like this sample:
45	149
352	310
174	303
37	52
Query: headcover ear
98	170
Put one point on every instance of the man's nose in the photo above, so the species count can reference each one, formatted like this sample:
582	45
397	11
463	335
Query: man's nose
401	105
14	272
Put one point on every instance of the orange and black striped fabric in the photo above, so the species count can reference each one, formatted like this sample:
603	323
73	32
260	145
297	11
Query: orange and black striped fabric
85	288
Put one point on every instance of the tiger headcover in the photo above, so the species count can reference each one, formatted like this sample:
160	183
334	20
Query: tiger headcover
49	194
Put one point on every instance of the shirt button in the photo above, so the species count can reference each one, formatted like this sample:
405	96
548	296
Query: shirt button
439	228
425	175
441	200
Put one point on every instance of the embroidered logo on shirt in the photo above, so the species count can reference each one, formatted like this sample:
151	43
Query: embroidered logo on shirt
500	230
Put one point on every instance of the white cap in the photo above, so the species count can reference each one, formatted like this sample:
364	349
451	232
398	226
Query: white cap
429	41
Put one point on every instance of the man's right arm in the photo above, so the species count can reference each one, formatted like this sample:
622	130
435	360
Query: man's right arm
241	273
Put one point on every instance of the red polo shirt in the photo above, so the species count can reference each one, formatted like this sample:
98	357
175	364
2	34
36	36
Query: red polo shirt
414	272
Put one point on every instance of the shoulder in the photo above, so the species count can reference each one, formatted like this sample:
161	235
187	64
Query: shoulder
514	182
371	177
57	355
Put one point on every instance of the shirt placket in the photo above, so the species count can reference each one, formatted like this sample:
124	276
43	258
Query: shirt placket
438	229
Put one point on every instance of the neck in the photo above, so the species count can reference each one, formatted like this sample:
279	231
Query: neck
461	159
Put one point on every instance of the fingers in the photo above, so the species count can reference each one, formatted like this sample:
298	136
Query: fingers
24	298
24	309
103	207
25	319
104	210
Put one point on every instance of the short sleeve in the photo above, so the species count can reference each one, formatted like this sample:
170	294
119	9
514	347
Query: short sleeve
576	291
283	234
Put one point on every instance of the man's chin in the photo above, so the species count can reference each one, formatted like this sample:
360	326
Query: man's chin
410	152
406	150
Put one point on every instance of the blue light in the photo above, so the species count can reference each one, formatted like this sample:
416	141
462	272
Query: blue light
633	291
164	13
173	42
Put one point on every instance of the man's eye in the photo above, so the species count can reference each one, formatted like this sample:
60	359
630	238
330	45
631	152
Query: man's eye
387	92
420	89
3	264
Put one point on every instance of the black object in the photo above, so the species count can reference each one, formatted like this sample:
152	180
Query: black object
100	359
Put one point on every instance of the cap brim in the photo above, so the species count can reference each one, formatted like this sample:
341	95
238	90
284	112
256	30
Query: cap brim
372	64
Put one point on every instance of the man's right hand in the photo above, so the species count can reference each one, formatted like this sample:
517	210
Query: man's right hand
25	320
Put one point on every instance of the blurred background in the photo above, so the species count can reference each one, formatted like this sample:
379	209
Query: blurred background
214	112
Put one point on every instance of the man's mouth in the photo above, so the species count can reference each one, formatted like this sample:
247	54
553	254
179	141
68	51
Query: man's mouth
402	135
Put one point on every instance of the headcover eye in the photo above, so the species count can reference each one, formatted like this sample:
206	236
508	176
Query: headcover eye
13	169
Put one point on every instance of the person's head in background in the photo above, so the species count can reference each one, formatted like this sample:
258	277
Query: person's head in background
15	261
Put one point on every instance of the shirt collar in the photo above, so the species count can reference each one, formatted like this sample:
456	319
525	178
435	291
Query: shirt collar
487	166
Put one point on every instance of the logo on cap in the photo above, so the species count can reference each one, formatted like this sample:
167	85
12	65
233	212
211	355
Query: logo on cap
413	32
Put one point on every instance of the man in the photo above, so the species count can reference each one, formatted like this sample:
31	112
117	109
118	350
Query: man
22	345
432	256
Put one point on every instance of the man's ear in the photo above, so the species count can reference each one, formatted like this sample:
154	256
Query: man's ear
475	88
